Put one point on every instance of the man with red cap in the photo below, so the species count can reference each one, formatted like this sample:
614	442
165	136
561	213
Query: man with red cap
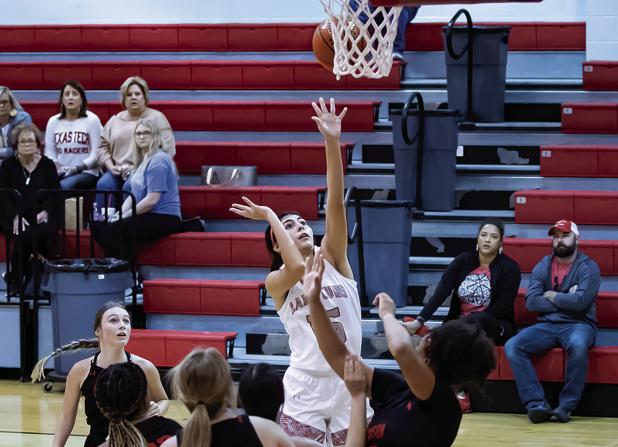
562	289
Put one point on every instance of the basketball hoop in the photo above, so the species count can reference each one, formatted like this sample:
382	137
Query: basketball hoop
363	37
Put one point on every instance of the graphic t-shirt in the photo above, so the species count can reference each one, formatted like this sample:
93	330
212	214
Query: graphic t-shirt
475	291
401	419
558	271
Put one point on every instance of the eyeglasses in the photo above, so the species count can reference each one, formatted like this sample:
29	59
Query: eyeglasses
29	141
145	133
5	102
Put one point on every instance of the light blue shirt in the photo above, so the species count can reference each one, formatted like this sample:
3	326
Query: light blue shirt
160	176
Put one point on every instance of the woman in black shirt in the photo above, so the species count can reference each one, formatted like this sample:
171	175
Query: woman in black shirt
417	408
28	172
483	283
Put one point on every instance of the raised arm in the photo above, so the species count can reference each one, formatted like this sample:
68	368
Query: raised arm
332	347
355	382
419	376
335	242
279	281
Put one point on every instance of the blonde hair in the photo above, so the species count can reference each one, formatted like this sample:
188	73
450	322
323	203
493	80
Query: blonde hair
140	161
203	383
134	80
15	105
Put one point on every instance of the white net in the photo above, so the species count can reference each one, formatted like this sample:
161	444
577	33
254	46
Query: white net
363	37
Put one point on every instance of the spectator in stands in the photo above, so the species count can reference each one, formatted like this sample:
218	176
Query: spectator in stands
72	139
407	14
419	403
28	172
483	283
112	327
203	383
562	289
121	393
154	183
12	114
116	155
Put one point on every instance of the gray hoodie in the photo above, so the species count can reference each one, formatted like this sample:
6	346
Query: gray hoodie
576	297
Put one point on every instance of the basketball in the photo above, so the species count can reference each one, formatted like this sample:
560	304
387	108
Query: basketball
323	45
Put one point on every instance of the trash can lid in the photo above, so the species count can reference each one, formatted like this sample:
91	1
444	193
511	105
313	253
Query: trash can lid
85	265
479	29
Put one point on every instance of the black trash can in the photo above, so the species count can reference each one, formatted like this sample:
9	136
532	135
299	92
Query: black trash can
385	234
488	48
425	150
78	287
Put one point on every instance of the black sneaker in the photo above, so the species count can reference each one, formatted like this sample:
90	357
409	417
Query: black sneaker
539	413
561	415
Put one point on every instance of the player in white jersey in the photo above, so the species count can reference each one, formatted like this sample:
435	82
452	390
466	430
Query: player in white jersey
317	402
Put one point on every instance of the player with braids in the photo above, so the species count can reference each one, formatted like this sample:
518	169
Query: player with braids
112	327
202	382
121	393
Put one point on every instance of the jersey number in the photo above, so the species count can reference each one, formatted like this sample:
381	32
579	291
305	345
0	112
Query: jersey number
338	327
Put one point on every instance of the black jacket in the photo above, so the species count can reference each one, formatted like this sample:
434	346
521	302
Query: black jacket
505	278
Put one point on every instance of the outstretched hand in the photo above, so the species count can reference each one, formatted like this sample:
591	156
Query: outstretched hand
312	281
385	304
354	376
251	210
329	123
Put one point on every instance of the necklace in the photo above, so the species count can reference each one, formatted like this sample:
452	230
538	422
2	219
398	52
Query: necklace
26	175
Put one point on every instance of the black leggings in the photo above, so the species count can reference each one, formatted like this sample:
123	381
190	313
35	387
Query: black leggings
498	330
115	238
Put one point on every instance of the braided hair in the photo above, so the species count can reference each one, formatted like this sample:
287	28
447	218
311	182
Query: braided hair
202	381
120	392
38	372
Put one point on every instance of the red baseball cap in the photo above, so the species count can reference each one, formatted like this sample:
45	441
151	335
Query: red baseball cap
566	226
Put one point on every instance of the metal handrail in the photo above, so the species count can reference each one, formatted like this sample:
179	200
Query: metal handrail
356	235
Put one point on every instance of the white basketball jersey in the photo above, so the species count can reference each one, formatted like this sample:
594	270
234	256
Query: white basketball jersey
340	299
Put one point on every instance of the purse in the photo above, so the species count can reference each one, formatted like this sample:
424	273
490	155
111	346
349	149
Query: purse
229	175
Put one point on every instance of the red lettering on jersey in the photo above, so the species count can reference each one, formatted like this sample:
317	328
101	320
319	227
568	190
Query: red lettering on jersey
376	432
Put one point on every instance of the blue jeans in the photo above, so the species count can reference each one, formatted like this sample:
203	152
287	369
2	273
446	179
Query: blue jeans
109	182
406	16
575	338
83	180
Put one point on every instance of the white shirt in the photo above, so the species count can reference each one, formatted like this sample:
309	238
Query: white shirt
340	299
70	143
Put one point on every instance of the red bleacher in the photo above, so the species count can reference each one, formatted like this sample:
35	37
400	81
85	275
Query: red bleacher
202	297
579	161
213	202
583	207
228	115
189	74
268	157
166	348
607	310
528	252
590	117
600	75
525	36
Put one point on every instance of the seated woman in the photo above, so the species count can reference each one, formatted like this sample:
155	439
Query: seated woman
155	187
419	404
72	139
11	115
483	283
203	383
28	172
116	155
112	328
121	393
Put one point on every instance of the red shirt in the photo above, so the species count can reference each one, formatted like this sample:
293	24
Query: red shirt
558	271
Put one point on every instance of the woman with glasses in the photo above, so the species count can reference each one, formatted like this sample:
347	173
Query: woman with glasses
154	183
28	172
11	115
116	157
72	139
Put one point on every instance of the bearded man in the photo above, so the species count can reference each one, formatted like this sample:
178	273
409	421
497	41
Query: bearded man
562	289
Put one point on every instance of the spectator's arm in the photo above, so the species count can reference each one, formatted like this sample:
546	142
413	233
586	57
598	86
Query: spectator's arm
6	152
587	289
535	301
94	131
105	149
444	288
502	307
